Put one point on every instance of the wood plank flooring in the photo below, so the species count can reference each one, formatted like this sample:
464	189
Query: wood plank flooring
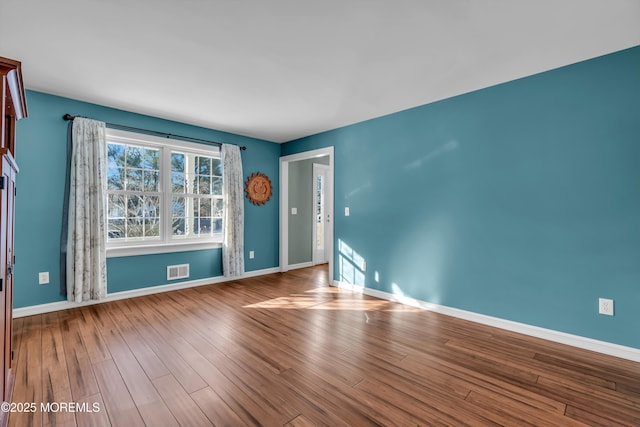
287	350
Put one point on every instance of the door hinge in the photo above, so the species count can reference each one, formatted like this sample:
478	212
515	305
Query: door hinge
11	354
15	191
1	284
1	182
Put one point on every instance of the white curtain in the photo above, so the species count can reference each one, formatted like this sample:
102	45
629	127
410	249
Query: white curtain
86	253
233	221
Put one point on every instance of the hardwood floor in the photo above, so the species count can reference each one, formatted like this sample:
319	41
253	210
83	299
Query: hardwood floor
287	350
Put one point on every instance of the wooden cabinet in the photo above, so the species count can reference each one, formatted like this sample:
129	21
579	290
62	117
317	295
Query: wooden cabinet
13	108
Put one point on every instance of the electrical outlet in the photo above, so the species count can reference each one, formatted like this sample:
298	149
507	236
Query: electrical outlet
605	306
294	211
43	277
251	254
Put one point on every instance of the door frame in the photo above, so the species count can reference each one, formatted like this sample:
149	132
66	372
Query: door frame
284	204
314	228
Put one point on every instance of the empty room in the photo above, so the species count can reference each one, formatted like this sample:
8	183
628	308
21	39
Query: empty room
293	213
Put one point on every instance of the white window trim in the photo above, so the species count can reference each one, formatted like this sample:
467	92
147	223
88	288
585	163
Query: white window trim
131	250
122	249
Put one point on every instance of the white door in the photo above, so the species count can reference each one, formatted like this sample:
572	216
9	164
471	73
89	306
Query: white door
321	216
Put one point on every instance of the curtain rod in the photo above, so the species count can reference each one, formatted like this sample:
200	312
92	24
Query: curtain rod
69	117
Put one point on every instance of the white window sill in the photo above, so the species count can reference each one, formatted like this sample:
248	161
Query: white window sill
123	251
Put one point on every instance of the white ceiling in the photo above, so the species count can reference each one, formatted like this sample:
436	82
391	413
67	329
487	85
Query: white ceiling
283	69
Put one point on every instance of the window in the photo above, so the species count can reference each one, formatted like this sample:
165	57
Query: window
196	190
163	195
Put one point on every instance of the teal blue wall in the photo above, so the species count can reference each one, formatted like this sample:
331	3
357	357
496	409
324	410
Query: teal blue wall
41	155
151	270
519	201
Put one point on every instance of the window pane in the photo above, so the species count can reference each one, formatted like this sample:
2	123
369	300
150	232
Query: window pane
115	155
216	186
135	227
218	205
216	167
151	228
134	180
177	162
202	226
178	227
217	225
151	207
178	207
151	158
116	206
204	184
204	166
204	207
116	229
151	180
115	178
177	182
135	206
134	156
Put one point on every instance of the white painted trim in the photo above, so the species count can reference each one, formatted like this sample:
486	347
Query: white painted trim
300	265
320	152
604	347
134	138
284	202
284	215
65	305
162	248
257	273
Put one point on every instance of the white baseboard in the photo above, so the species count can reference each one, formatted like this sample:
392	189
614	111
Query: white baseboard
604	347
300	265
65	305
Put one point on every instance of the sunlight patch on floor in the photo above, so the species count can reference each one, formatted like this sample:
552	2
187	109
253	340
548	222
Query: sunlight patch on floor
312	299
351	304
290	302
324	290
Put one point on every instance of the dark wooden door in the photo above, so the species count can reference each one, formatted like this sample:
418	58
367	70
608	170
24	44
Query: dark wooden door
12	107
8	196
4	240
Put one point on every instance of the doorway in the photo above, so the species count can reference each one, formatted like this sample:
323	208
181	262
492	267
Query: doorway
306	245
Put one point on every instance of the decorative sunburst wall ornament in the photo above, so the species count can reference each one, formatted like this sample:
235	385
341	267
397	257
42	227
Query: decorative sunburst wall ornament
258	188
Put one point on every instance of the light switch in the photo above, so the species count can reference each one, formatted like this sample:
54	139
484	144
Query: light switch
251	255
43	277
294	211
346	211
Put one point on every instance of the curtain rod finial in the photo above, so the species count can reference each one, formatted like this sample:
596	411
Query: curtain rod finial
68	117
242	147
